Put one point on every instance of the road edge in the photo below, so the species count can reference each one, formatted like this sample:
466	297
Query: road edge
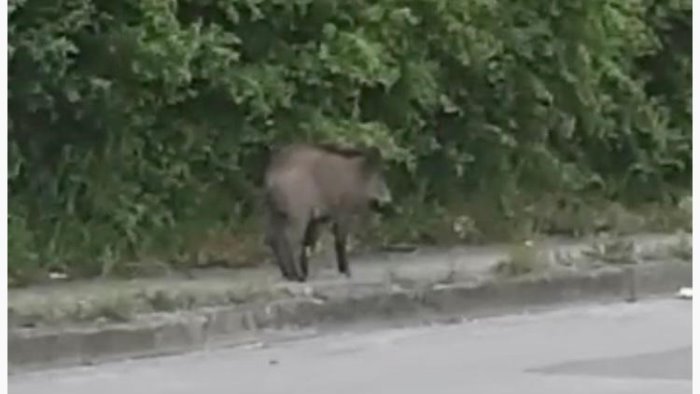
205	328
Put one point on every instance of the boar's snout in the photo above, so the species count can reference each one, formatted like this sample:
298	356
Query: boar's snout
379	194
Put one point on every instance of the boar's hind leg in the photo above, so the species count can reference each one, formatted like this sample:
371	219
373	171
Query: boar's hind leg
340	233
309	235
310	240
296	261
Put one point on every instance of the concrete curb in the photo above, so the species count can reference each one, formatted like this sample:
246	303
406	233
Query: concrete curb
37	348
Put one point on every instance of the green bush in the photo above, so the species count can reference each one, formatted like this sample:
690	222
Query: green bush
140	128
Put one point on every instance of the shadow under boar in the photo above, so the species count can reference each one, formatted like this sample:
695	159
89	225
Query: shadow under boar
310	185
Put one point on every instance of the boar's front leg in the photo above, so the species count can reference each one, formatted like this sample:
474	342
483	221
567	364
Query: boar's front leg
297	261
282	251
275	235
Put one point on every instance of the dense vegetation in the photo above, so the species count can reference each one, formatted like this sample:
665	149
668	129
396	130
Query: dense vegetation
138	129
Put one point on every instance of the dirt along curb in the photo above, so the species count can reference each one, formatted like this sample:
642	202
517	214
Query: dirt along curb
320	305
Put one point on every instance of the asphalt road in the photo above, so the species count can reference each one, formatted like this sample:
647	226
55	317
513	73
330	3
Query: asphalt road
623	348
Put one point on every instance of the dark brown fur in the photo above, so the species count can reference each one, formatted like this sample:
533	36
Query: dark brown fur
307	185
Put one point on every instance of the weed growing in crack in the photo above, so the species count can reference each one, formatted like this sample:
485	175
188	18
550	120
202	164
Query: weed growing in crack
522	259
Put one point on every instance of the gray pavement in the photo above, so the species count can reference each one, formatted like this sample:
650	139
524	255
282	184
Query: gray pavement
623	348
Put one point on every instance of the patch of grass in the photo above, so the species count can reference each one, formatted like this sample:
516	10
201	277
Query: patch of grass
395	278
162	300
565	259
415	223
450	277
227	247
620	220
483	219
612	251
475	219
683	248
668	218
113	309
522	259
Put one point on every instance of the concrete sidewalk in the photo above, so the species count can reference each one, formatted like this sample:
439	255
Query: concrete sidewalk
85	322
108	299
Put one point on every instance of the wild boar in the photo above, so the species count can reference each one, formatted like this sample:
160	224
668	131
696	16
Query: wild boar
309	185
